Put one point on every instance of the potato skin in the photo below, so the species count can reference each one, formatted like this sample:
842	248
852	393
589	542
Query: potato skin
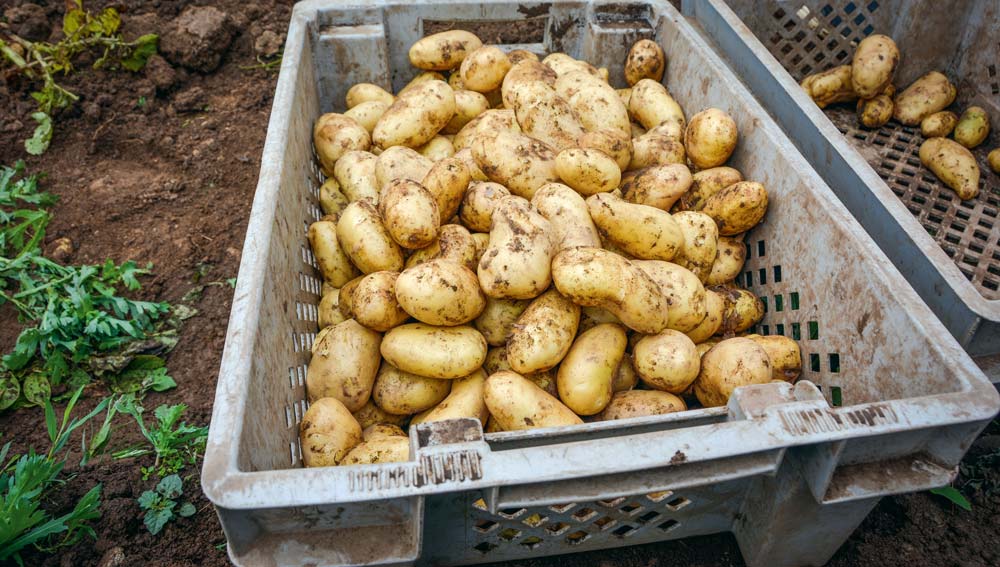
480	200
334	263
701	242
334	135
416	116
612	143
327	432
440	292
355	172
994	160
728	365
874	64
371	414
715	310
329	310
710	138
447	181
486	124
522	73
520	163
625	377
483	70
830	86
683	291
345	297
642	231
785	356
651	105
366	241
939	124
929	94
737	208
454	244
496	361
645	60
464	400
544	115
953	164
705	184
587	372
496	322
400	162
588	171
640	403
382	449
517	404
875	112
434	352
403	393
972	127
343	366
365	92
468	105
443	51
374	304
568	216
331	200
653	148
367	113
516	264
543	334
410	214
729	260
666	361
438	148
658	186
743	309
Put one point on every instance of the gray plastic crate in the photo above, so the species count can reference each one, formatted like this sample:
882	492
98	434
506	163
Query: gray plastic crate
783	467
948	249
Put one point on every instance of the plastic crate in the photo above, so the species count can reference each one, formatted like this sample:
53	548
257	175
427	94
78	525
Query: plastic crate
888	401
948	249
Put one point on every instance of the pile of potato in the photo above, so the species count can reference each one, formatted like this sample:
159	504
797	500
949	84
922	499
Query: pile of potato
868	82
521	243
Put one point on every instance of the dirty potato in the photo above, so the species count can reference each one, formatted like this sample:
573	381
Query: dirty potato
683	291
874	64
345	298
366	92
729	259
743	309
517	404
400	162
416	116
658	186
329	311
737	208
544	115
440	292
343	366
447	181
516	262
973	127
399	392
612	143
483	69
381	449
478	204
334	263
374	304
785	356
521	74
331	199
875	112
651	106
587	171
830	86
434	352
443	51
334	135
929	94
939	125
496	361
486	124
464	400
705	184
367	113
543	334
666	361
645	60
641	403
642	231
652	149
953	164
468	105
701	241
327	433
371	414
994	160
355	172
437	149
410	214
568	216
496	322
366	241
715	310
520	163
587	372
710	138
728	365
454	244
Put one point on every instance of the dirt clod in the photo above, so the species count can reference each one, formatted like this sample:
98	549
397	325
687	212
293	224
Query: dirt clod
198	38
160	73
268	43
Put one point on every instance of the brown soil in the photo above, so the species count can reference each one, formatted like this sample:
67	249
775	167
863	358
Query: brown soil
171	180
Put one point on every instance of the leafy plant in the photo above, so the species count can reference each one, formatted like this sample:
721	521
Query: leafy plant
160	504
952	494
175	443
42	61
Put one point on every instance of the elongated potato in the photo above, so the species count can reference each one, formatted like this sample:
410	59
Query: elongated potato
367	113
454	244
875	112
715	310
592	277
568	216
516	263
327	432
381	449
612	143
447	181
544	115
464	400
520	163
642	231
355	172
653	148
710	138
334	263
478	205
440	292
732	253
468	105
437	149
641	403
972	127
645	60
929	94
830	86
651	105
543	334
588	171
371	414
587	372
366	241
443	51
488	123
365	92
345	298
416	116
410	214
874	64
331	199
518	404
496	361
737	208
374	302
701	241
483	70
336	134
728	365
496	322
705	184
683	290
953	164
625	377
743	309
785	356
329	311
666	361
400	392
400	162
658	186
938	125
343	366
434	352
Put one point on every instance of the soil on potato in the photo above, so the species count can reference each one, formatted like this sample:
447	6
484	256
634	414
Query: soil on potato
161	167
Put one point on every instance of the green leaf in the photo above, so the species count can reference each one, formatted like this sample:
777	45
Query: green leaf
148	499
952	494
109	20
156	519
10	390
73	21
186	510
161	382
170	486
36	388
145	47
42	137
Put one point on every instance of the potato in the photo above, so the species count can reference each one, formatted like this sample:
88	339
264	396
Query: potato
939	124
496	361
437	149
625	376
464	400
875	112
492	426
516	262
334	135
434	352
327	433
440	292
355	172
420	78
596	103
367	113
645	60
488	123
334	263
374	304
732	253
929	94
715	310
416	116
587	372
518	55
830	86
465	156
331	200
371	414
327	288
366	241
482	241
684	293
400	392
588	171
518	162
953	164
400	162
483	70
701	241
653	149
666	361
479	203
658	186
517	404
522	73
379	430
345	297
591	317
343	366
568	216
710	138
562	64
728	365
544	115
410	214
784	354
743	309
443	51
874	64
468	105
454	244
651	105
616	145
638	130
642	231
592	277
366	92
329	310
972	127
382	449
705	184
447	181
994	160
641	403
496	322
737	208
455	81
543	334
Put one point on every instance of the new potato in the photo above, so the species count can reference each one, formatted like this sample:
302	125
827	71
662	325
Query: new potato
929	94
873	66
640	403
496	322
616	145
334	263
728	365
399	392
374	304
543	334
434	352
642	231
443	51
938	125
343	366
683	291
440	292
520	163
706	183
701	241
737	208
371	414
710	138
588	171
464	400
478	204
334	135
447	181
651	105
366	241
645	60
327	432
654	148
516	404
729	259
953	164
666	361
973	127
659	186
365	92
830	86
483	70
516	264
331	199
587	372
453	244
568	216
416	116
355	172
784	354
715	310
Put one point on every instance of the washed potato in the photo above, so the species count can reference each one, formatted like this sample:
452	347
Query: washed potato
355	172
743	309
518	162
666	361
543	334
784	354
400	392
483	69
434	352
593	277
327	433
416	116
516	403
875	112
478	204
447	181
443	51
454	244
994	160
645	60
972	127
437	149
381	449
587	171
715	310
371	414
345	297
728	365
658	186
334	263
366	241
468	105
732	253
652	149
374	302
737	208
710	138
953	164
830	86
939	125
410	214
568	216
400	162
587	372
544	115
496	361
488	123
440	292
683	291
705	184
496	322
334	135
625	377
701	241
331	200
464	400
642	231
516	262
367	113
329	311
616	145
929	94
651	105
344	364
874	64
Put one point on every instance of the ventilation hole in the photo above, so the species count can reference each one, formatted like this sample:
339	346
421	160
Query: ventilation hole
799	36
668	525
872	6
765	330
836	396
825	10
813	330
485	547
789	25
796	59
648	517
534	520
291	377
611	503
786	49
658	496
577	537
288	416
631	508
841	55
779	303
763	301
836	21
834	362
777	274
802	12
794	300
868	30
485	526
479	504
814	362
850	7
557	528
858	19
291	452
297	412
760	248
809	46
749	278
624	531
762	276
560	508
807	69
510	534
778	14
779	329
678	503
531	542
511	513
605	522
583	514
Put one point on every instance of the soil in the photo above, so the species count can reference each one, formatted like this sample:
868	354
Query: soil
161	167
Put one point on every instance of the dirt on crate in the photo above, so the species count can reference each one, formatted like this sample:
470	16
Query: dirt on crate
161	167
